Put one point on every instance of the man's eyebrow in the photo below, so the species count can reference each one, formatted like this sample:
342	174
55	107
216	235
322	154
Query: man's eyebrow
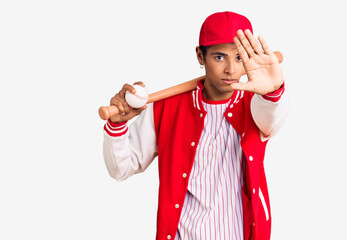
222	54
219	53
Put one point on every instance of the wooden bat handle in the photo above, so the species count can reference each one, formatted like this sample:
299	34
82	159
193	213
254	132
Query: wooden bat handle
107	111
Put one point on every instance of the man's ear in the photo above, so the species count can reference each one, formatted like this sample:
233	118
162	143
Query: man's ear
199	56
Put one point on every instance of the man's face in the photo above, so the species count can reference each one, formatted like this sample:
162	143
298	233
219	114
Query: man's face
223	67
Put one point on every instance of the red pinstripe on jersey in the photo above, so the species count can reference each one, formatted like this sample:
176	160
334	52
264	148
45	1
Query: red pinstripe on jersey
213	204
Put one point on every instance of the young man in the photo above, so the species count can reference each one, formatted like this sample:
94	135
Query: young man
211	141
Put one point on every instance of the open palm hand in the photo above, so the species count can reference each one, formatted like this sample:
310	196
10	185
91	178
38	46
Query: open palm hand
261	65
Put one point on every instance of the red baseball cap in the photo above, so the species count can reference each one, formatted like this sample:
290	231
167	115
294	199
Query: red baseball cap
221	27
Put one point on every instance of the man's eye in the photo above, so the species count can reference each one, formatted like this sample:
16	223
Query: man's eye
219	58
238	58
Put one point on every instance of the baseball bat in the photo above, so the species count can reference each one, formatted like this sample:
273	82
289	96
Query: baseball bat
106	112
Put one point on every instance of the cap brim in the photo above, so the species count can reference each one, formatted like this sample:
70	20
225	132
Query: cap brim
219	41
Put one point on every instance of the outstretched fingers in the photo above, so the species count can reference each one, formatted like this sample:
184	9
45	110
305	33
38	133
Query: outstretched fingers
248	46
264	45
254	43
245	43
241	50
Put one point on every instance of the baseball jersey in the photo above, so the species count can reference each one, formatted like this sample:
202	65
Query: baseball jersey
213	204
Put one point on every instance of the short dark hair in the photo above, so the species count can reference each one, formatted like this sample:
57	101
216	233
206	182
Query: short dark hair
204	51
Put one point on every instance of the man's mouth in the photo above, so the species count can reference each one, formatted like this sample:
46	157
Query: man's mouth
229	81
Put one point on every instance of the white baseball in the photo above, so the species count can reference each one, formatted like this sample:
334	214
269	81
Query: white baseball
139	99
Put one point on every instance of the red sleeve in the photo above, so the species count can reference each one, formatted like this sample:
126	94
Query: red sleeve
276	95
115	129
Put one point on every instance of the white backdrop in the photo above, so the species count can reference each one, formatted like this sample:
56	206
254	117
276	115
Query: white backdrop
61	60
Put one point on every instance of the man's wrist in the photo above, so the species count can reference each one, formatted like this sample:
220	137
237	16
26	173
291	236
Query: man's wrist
275	96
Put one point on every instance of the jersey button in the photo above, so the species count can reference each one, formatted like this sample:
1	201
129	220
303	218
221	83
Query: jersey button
168	236
193	144
184	175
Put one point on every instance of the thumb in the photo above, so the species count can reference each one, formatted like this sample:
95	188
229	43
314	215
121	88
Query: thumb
242	86
137	111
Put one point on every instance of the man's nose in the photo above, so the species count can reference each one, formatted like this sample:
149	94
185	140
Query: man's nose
229	67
